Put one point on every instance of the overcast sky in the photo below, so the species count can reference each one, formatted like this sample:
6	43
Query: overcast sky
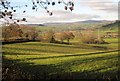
83	10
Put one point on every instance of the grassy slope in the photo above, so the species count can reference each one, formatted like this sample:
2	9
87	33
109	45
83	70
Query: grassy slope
113	27
44	60
73	26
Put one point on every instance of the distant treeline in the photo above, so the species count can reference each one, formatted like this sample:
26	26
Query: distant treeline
15	32
21	33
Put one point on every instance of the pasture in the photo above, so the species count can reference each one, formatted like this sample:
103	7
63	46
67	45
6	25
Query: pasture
36	60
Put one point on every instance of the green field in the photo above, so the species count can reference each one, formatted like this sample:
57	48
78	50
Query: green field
73	26
60	61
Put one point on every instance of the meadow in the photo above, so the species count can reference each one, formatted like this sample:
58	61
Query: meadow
37	60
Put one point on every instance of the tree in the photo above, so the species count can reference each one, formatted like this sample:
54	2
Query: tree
48	37
29	33
69	36
64	36
11	32
90	37
15	32
6	9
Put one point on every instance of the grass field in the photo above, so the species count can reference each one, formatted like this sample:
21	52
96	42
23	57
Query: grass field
73	26
60	61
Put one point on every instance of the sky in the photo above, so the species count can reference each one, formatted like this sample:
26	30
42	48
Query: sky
83	10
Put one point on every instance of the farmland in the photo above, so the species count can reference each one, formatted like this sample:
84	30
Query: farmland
37	60
59	40
46	60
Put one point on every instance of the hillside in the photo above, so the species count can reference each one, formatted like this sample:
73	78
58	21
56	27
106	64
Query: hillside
36	60
80	22
74	25
112	26
95	21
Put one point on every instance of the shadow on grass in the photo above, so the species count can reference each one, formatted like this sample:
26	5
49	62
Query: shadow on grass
59	44
47	51
17	41
38	50
50	72
13	53
73	55
82	46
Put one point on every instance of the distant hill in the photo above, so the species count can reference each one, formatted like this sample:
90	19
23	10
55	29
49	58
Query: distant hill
114	24
111	26
58	23
95	21
69	23
35	25
80	22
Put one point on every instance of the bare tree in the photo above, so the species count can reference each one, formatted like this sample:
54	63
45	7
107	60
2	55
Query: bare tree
11	32
64	36
69	36
14	32
6	9
91	37
29	33
48	36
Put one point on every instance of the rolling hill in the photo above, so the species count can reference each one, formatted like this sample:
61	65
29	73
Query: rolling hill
74	25
112	26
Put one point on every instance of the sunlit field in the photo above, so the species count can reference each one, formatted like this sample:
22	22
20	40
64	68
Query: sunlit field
60	61
59	40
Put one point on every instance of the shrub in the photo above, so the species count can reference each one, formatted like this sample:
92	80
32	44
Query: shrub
15	32
47	36
90	37
64	36
11	32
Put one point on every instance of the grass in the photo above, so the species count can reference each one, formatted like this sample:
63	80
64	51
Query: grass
113	43
60	61
63	27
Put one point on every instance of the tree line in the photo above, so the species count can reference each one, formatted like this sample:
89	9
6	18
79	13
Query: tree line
15	32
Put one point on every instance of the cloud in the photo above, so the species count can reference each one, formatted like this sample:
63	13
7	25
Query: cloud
108	6
61	16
